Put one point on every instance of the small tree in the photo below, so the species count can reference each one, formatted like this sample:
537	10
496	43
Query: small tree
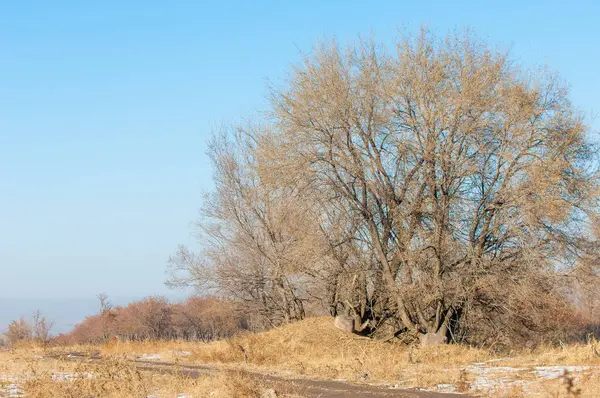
41	327
107	315
18	330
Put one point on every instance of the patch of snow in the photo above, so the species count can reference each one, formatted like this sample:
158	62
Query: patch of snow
554	372
496	377
491	378
11	390
494	369
149	357
69	376
445	388
10	379
501	383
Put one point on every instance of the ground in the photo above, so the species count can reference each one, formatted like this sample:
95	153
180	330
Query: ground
296	360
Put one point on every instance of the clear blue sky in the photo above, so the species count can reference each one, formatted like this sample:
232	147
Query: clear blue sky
105	108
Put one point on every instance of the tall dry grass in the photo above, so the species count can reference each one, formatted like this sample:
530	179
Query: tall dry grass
113	377
314	347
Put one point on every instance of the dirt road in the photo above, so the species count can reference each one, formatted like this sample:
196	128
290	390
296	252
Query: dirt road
305	387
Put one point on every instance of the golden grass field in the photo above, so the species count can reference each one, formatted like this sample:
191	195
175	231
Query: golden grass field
311	348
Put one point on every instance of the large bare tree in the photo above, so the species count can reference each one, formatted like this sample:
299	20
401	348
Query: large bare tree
472	179
437	185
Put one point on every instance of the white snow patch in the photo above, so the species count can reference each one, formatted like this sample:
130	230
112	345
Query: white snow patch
10	379
149	357
490	378
493	369
494	377
554	372
69	376
11	390
445	388
9	386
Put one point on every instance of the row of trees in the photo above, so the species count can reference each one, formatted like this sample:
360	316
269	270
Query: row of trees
432	188
197	318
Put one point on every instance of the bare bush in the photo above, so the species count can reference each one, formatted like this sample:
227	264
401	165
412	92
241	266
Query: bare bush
18	330
38	329
41	327
207	319
155	318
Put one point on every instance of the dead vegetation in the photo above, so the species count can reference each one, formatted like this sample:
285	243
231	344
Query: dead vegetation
312	348
155	318
315	348
24	371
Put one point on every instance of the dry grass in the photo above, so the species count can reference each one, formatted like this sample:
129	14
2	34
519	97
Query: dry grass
572	354
315	348
112	377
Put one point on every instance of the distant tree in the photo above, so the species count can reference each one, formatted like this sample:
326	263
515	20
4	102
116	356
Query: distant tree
197	318
18	330
107	315
36	330
41	327
207	318
154	314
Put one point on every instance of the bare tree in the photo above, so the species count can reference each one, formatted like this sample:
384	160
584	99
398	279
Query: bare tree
19	330
107	316
254	232
471	178
436	186
41	327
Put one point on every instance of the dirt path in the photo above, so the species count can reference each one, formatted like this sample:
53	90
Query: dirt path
305	387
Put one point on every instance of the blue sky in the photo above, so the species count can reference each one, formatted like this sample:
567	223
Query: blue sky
105	108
